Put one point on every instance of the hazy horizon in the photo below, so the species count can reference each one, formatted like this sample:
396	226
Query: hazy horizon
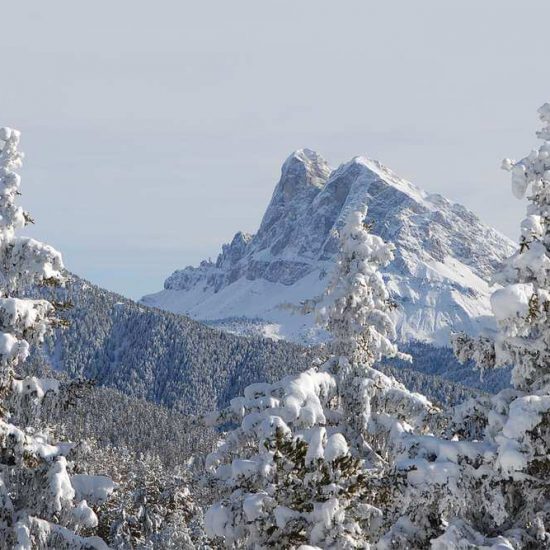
152	135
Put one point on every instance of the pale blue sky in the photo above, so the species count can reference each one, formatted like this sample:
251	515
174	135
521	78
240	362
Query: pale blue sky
154	131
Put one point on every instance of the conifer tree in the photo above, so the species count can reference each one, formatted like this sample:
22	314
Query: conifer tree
522	306
38	504
356	309
298	468
516	422
356	306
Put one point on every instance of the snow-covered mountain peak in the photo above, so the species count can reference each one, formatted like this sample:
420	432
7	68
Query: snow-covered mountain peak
305	167
303	176
445	255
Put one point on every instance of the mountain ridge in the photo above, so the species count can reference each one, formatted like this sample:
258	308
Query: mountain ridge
445	256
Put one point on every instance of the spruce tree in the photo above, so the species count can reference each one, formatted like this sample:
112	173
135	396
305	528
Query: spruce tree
38	502
303	464
516	422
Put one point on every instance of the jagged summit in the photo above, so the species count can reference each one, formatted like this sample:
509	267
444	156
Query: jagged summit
303	175
305	167
445	255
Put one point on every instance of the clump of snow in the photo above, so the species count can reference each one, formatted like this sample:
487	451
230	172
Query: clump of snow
217	521
60	484
11	347
95	489
84	515
511	301
253	506
459	535
336	447
37	387
524	414
316	441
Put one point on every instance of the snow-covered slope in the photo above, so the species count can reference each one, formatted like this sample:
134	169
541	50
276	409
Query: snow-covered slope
444	259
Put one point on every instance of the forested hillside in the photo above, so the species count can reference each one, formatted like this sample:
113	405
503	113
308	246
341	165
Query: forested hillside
440	362
162	357
171	359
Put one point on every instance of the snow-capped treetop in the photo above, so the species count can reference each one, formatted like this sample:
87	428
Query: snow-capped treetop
522	307
514	424
356	306
544	115
13	216
23	261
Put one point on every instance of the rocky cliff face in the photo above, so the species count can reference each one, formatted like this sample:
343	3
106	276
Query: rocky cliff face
445	255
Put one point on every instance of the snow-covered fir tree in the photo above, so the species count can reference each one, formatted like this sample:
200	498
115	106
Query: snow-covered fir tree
516	422
356	305
39	503
356	310
303	465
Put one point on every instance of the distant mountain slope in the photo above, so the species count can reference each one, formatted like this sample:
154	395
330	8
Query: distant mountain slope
173	360
445	256
159	356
